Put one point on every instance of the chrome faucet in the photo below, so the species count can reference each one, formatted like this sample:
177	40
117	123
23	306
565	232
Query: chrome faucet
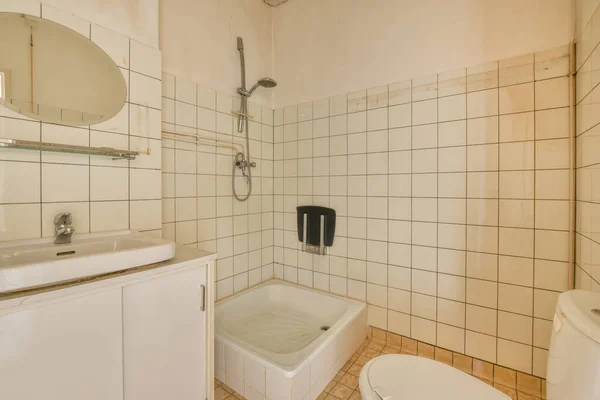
63	228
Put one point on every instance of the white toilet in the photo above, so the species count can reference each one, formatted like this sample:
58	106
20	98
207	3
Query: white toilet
573	371
574	357
404	377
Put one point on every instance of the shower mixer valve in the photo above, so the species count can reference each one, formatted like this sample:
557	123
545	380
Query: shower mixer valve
244	165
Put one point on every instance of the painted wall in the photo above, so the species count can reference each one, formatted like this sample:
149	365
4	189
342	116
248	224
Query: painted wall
328	47
198	41
137	19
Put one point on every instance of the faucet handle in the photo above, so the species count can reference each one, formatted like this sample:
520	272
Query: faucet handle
63	219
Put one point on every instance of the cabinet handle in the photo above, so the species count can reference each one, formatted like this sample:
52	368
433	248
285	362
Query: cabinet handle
203	306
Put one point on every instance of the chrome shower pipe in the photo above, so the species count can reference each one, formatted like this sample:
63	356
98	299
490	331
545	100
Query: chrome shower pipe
243	92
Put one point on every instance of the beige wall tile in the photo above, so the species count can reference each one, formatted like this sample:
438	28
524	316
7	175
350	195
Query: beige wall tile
482	238
516	98
516	213
552	93
516	184
423	330
482	130
517	127
516	242
515	327
480	346
515	355
515	270
516	299
451	312
482	266
451	338
482	293
481	319
482	158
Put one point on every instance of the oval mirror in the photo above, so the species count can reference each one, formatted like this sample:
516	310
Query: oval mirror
53	74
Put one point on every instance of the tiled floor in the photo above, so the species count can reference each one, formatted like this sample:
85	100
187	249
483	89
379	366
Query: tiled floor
344	385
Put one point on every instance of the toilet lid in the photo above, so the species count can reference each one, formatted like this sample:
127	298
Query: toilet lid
399	376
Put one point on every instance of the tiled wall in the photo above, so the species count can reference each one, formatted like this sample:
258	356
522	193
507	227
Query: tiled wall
101	193
199	209
587	241
452	200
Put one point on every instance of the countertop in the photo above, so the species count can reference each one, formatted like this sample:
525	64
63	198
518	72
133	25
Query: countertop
185	258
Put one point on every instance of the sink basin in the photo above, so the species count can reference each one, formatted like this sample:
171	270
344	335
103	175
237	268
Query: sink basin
26	264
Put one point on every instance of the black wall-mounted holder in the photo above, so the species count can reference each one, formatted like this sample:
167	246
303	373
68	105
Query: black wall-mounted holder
316	228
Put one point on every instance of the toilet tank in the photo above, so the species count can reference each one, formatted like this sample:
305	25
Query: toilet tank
573	371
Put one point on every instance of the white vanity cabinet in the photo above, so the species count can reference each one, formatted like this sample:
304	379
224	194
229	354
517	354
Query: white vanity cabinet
164	337
68	349
141	336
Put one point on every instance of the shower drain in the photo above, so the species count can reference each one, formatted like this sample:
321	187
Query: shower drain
324	328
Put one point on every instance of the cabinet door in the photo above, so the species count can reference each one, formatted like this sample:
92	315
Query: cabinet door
164	338
69	350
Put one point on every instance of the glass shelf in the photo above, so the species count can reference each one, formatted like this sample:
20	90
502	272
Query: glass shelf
67	148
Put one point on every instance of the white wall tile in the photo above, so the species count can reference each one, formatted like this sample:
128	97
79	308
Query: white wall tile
145	60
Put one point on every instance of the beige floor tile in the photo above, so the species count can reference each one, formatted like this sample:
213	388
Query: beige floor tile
525	396
390	350
355	369
394	340
221	394
227	388
426	350
505	377
529	384
347	366
330	386
349	380
483	370
443	355
544	389
361	360
409	346
512	393
370	353
463	363
379	335
376	346
486	381
341	392
356	396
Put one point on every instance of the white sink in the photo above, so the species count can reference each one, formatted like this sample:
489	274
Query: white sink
29	263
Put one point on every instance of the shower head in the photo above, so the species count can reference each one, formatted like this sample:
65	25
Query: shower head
264	82
267	82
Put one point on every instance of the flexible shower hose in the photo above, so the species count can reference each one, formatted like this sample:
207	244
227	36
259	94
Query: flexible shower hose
249	178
